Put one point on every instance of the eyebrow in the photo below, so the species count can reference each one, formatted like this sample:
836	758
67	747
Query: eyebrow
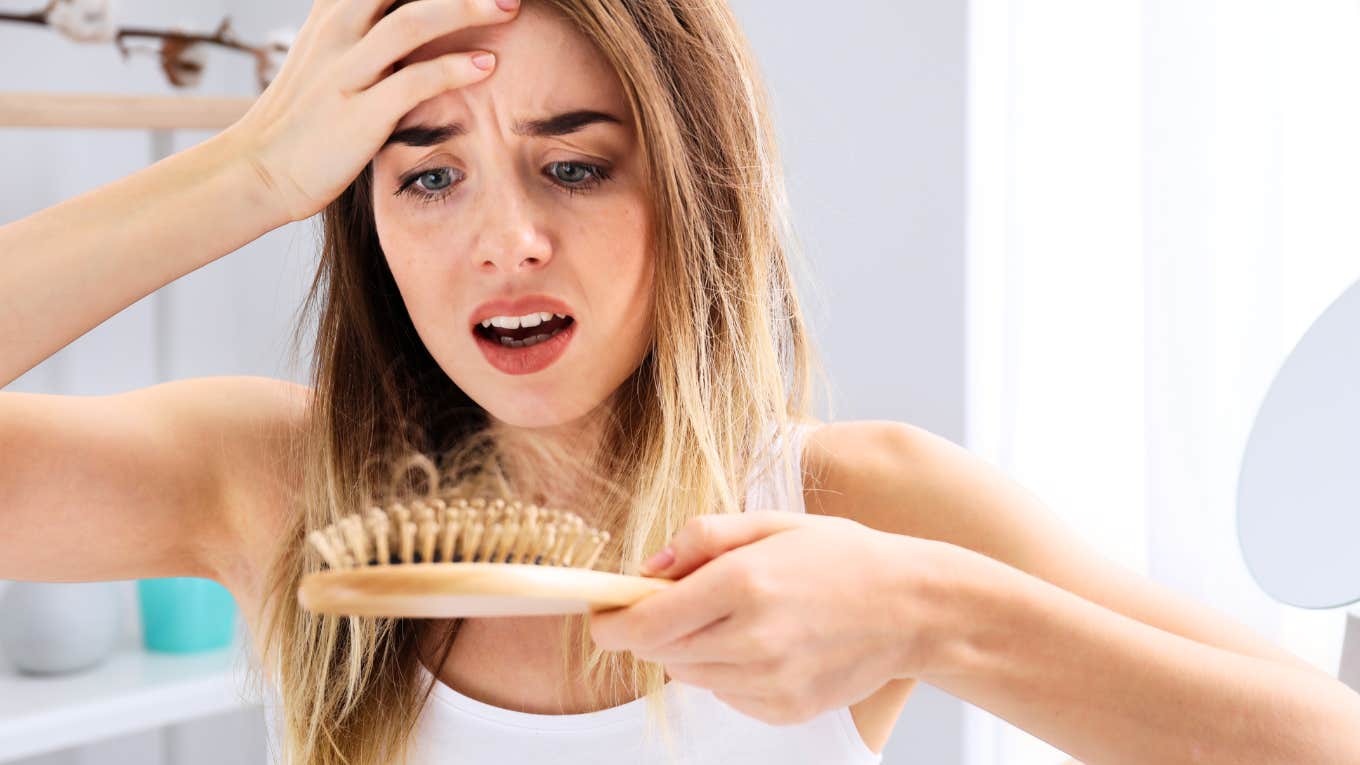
557	124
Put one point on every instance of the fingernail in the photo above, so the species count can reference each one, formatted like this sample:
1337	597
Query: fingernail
483	60
660	561
507	5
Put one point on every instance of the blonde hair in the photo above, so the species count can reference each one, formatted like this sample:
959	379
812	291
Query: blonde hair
728	369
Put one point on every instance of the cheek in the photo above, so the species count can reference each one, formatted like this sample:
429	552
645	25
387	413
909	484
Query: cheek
629	279
646	274
421	268
626	271
420	293
406	238
628	248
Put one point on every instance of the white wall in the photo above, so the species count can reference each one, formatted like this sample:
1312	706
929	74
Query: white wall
1180	178
870	104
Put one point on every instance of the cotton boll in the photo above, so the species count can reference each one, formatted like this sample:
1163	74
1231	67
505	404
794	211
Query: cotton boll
85	21
183	61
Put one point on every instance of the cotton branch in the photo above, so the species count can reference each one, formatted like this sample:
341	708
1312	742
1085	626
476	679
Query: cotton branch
182	53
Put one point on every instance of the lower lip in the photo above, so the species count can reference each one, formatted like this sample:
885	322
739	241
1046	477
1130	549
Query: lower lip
529	359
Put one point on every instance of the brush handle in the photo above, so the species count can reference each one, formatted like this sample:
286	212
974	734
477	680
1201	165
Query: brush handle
456	590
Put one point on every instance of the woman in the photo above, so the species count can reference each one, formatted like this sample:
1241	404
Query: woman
564	221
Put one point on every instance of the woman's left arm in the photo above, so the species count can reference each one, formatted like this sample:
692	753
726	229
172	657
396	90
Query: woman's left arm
1040	630
951	573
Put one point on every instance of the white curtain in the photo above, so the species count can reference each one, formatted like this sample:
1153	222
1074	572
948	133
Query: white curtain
1163	196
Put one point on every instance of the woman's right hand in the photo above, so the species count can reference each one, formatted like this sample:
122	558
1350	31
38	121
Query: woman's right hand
336	99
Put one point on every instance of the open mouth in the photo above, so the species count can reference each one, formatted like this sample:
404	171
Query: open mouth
523	331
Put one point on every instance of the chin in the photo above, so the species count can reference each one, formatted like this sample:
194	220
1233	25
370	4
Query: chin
531	411
531	419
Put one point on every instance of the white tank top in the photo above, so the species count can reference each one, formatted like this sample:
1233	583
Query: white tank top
454	728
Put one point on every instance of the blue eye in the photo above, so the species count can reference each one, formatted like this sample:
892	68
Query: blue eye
576	172
431	189
436	183
593	176
436	173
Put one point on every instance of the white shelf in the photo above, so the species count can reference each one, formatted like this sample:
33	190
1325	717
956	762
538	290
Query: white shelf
130	691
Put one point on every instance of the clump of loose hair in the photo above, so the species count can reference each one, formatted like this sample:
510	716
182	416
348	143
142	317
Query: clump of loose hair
727	370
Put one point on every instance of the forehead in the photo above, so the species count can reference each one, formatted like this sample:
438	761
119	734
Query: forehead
543	63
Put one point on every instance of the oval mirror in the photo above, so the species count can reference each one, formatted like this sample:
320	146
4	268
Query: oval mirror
1298	493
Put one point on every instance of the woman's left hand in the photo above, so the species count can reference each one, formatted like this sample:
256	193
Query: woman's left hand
784	615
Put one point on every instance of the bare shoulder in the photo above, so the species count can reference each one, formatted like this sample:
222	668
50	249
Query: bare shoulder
860	469
905	479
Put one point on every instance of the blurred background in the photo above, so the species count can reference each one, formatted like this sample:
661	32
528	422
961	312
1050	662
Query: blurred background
1076	237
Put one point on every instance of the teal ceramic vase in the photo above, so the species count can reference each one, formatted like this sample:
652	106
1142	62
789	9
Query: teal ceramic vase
186	614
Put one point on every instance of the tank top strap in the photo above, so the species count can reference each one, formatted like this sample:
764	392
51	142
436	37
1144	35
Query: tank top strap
773	487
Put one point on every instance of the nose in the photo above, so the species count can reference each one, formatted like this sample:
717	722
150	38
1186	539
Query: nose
511	238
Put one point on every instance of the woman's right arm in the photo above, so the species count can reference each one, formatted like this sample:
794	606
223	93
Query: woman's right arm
173	479
337	98
66	269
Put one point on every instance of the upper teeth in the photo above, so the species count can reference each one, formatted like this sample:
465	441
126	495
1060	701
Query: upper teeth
515	322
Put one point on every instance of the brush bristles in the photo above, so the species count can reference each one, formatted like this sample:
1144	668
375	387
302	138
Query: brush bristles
459	531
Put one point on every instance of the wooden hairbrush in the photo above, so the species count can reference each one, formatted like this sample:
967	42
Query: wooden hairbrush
436	557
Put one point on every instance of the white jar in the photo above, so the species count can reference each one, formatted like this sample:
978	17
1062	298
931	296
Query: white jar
48	628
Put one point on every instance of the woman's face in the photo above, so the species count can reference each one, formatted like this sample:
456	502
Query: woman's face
524	218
